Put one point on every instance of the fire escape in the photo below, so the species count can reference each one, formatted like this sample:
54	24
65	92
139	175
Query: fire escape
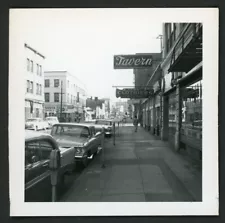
187	51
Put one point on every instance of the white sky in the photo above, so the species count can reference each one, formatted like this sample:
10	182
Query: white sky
83	42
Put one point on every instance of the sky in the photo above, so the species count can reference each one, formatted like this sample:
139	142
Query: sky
84	41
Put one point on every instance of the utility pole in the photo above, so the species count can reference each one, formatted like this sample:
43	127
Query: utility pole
61	102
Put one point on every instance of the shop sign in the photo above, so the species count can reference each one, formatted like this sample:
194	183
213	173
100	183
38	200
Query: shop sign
133	93
132	61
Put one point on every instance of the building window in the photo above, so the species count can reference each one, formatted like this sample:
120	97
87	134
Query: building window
28	64
71	99
47	97
28	86
56	97
40	70
31	87
68	84
47	83
37	68
40	89
37	88
56	82
68	98
31	66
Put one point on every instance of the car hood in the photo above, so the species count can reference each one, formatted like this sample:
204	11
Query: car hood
69	141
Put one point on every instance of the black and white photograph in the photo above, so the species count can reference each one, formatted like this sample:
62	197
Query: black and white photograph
113	111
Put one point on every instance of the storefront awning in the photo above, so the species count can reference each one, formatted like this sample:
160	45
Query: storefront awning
192	76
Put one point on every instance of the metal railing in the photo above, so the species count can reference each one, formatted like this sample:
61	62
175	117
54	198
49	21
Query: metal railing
191	32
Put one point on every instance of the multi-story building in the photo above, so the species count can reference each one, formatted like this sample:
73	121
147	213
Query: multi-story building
174	111
97	106
34	78
182	86
107	107
63	86
148	110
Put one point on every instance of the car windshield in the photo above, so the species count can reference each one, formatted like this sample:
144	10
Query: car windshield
67	130
32	120
102	122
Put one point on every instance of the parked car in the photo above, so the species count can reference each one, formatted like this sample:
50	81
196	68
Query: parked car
82	137
107	124
36	124
52	120
38	147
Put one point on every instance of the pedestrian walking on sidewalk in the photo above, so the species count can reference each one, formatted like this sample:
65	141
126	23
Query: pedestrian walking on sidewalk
135	123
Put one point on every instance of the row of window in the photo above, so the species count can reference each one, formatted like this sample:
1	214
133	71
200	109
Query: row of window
30	88
30	67
57	84
70	98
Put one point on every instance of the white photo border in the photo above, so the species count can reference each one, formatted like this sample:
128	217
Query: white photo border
210	203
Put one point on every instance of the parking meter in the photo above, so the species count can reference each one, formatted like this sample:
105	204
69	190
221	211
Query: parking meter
103	149
54	165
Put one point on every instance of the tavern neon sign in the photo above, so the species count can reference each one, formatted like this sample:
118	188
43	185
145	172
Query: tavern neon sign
132	61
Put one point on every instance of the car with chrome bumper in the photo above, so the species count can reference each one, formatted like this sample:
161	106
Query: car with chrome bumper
107	124
38	147
82	137
36	124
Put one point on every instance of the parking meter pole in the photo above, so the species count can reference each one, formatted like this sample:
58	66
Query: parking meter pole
114	134
54	165
54	193
54	183
103	149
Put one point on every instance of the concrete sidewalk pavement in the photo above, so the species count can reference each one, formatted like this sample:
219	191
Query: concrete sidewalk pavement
138	168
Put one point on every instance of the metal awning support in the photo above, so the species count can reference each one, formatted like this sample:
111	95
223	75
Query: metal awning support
158	71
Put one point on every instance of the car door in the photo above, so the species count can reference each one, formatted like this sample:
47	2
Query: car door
37	173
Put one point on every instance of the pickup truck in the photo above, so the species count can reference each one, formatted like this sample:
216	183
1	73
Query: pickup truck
38	147
82	137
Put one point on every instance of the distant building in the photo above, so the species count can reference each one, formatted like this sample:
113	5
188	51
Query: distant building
73	97
34	78
101	107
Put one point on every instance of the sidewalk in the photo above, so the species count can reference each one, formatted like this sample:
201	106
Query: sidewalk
138	168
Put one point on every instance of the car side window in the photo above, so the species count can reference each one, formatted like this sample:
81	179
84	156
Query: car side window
45	149
32	153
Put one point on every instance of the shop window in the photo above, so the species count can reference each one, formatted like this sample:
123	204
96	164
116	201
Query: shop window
172	115
191	127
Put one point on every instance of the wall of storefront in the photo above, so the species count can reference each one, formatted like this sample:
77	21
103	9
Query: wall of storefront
34	111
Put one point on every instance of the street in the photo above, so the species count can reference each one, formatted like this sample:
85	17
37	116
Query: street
138	168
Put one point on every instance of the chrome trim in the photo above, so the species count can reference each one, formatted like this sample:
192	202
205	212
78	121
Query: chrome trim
37	179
